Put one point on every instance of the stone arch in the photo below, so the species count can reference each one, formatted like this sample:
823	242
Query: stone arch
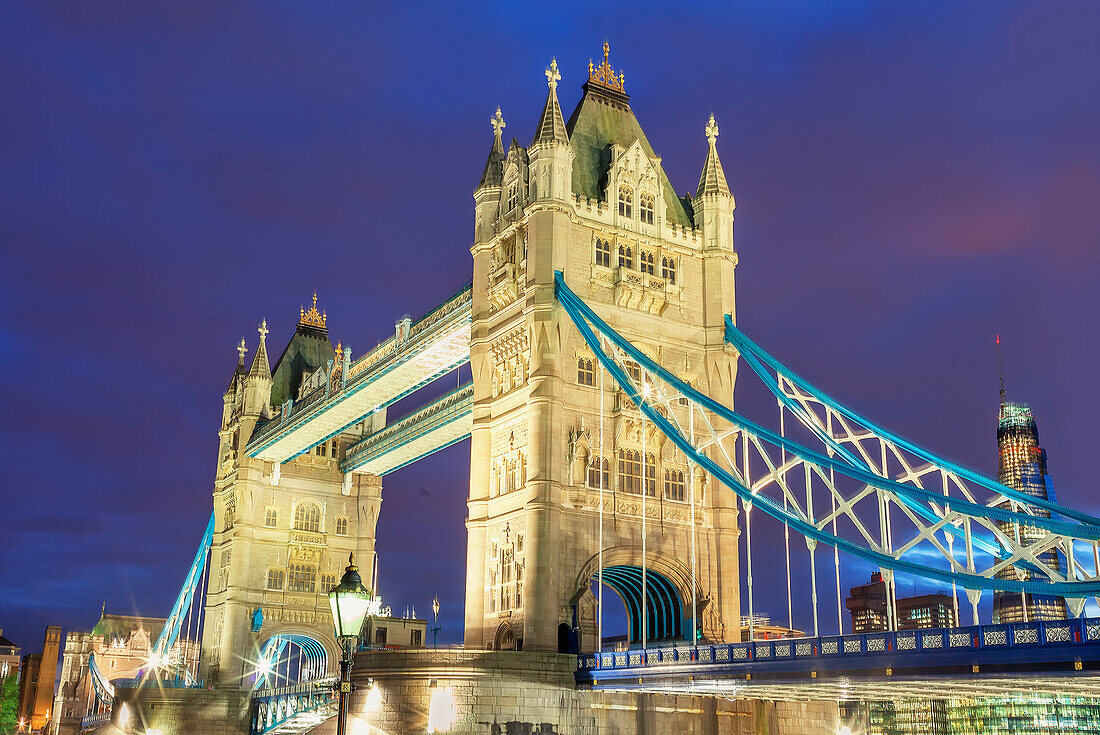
505	638
668	589
329	649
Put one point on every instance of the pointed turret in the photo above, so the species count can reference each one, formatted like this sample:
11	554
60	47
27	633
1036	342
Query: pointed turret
551	127
257	386
550	155
238	372
261	368
713	204
712	180
487	194
494	167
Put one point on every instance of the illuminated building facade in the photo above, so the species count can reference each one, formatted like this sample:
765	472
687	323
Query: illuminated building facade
994	716
551	443
867	605
1023	466
926	611
36	681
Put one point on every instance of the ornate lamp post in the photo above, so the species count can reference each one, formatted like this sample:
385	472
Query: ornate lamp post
350	602
435	628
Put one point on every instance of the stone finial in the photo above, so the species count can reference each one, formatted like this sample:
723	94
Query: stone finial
712	130
263	330
497	121
552	75
241	349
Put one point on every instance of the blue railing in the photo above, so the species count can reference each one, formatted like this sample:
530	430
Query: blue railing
1077	632
272	708
91	721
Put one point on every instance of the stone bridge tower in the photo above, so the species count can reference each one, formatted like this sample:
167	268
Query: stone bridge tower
589	197
282	533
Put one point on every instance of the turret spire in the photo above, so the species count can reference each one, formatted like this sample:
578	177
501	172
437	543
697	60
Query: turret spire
712	180
551	127
260	366
493	174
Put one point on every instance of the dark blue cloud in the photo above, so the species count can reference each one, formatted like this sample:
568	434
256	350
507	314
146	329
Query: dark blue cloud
910	181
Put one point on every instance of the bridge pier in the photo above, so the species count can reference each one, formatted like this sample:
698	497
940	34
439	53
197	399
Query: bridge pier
529	693
178	712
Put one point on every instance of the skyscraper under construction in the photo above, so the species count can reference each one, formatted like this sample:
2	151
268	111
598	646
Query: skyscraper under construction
1023	466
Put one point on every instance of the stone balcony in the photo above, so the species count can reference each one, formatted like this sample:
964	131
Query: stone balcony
307	538
642	291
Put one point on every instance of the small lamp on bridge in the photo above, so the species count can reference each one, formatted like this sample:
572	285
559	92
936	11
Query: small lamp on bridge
350	602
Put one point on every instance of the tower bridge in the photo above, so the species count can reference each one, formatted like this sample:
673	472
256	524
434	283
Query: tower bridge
605	454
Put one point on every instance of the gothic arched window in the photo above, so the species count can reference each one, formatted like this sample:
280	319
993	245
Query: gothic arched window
586	373
275	579
307	517
626	257
301	578
674	484
649	263
513	196
271	518
651	475
645	207
630	471
341	526
603	253
626	201
668	270
599	474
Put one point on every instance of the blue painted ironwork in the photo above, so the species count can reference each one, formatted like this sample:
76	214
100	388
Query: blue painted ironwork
585	320
275	708
104	690
447	409
664	612
757	358
1058	645
384	358
169	634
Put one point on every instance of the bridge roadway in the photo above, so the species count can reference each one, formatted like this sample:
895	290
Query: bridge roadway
1057	658
427	430
435	344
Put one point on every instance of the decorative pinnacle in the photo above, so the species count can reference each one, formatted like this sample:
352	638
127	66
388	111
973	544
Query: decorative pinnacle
712	130
241	349
263	330
552	75
604	74
497	121
312	317
339	352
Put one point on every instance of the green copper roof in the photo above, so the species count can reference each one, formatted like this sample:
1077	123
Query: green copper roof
604	117
307	350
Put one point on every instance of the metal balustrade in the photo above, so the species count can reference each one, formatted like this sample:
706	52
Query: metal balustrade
278	709
1058	633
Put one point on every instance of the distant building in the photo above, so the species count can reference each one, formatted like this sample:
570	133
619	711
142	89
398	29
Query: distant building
1023	466
867	605
394	632
764	630
926	611
121	644
9	657
36	681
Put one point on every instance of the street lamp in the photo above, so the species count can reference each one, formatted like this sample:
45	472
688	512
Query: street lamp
435	628
350	602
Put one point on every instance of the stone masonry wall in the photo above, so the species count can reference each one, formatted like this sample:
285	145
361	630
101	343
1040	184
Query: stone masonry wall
523	693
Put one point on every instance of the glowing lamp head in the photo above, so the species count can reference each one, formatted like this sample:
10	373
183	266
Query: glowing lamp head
435	606
350	602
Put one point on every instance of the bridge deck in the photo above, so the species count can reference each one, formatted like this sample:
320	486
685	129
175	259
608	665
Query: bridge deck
434	427
1057	658
436	344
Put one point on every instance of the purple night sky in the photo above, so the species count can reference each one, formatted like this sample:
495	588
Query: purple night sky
909	181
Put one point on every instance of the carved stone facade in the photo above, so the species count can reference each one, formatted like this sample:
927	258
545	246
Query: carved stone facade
282	533
590	199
